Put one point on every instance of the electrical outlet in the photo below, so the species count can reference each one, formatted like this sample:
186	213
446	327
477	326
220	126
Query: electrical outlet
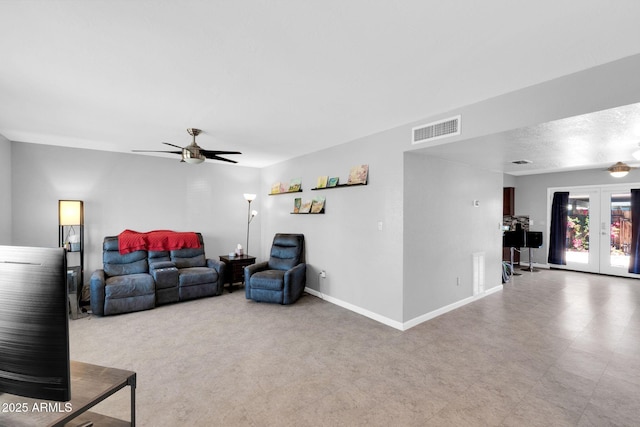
323	274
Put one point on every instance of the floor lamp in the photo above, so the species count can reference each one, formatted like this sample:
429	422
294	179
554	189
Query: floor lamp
250	215
70	215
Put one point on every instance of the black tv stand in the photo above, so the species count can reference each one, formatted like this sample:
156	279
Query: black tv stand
90	385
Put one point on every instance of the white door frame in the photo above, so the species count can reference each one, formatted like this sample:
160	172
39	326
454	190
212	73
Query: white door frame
599	213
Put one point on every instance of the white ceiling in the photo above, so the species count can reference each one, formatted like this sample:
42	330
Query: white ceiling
278	79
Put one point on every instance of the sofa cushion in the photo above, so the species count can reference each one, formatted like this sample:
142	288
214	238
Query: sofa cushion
197	276
286	251
189	257
119	265
198	260
268	279
130	285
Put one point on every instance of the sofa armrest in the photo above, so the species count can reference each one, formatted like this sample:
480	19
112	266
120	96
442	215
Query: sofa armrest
217	265
97	294
250	270
295	280
164	273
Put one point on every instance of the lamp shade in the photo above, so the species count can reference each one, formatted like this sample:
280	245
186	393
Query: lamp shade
70	212
249	197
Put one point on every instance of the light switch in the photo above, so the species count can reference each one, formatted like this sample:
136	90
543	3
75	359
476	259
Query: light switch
379	225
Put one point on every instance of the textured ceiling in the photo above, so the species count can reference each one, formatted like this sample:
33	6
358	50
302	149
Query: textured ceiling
278	79
598	139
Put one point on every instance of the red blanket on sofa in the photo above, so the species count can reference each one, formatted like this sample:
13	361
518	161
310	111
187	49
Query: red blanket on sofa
157	240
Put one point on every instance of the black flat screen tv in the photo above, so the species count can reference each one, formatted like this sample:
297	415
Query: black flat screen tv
34	323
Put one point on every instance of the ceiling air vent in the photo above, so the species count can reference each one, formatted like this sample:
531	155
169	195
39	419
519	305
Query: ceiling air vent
436	130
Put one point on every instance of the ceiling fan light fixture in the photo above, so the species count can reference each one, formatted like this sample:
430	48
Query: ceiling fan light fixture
619	170
194	160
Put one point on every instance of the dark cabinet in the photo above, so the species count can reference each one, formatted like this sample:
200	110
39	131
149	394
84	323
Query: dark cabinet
508	201
234	269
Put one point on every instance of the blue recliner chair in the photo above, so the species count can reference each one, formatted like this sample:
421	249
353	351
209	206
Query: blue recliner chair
281	279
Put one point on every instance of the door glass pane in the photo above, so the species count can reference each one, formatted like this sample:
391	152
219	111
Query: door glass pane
620	230
578	229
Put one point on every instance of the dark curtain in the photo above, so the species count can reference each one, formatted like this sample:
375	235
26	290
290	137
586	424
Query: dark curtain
558	234
634	262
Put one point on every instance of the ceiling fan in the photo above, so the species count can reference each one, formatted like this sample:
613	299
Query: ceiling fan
192	153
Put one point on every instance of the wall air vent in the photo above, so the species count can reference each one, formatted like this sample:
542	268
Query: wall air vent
436	130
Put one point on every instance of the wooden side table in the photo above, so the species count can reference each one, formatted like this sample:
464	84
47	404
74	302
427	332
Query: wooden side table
90	385
234	271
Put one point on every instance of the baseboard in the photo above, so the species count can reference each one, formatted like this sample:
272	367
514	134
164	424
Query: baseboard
399	325
370	314
447	308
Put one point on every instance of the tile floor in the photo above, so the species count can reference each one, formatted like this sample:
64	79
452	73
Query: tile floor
554	348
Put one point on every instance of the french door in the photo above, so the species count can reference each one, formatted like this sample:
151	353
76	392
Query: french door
599	229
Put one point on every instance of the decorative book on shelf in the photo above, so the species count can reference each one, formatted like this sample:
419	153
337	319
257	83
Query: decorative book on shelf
315	206
294	186
358	175
276	188
305	207
322	181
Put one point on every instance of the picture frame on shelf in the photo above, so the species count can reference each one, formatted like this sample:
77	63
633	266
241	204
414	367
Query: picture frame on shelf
317	205
322	181
305	207
295	185
297	204
275	188
358	175
333	181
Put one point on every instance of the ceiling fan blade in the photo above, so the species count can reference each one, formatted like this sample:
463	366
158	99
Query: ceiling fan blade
156	151
214	157
173	145
216	152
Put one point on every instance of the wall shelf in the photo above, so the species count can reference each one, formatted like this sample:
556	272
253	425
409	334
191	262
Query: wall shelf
336	186
285	192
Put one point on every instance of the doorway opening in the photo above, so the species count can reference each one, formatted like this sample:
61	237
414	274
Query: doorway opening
598	229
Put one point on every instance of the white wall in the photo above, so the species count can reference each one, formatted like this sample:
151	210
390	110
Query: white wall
127	191
363	264
5	191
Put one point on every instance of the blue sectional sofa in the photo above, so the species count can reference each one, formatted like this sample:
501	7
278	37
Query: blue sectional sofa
142	279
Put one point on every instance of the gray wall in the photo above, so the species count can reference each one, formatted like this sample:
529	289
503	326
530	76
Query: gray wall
127	191
363	264
531	198
5	191
444	230
381	273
